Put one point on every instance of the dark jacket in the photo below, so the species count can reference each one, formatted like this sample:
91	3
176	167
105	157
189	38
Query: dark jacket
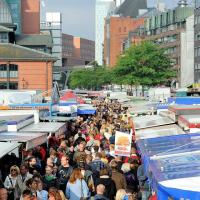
48	182
110	188
132	182
63	176
119	179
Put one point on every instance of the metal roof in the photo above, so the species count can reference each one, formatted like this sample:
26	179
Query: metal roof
15	118
31	139
131	8
9	52
159	131
151	121
7	147
35	40
58	118
44	127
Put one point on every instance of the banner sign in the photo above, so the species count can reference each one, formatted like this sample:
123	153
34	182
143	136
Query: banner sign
123	144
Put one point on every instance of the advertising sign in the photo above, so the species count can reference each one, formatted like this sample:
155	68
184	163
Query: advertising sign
123	143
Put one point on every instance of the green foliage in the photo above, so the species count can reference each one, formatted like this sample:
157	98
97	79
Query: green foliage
145	64
93	78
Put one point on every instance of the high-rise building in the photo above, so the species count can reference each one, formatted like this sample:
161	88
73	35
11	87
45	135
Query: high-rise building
116	30
174	31
103	7
23	16
53	24
30	16
197	42
131	8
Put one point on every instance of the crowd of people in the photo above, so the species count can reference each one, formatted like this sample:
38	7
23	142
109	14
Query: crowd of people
81	164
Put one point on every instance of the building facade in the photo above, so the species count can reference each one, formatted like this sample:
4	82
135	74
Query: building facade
84	50
53	24
116	31
173	30
197	42
24	68
77	51
102	9
30	14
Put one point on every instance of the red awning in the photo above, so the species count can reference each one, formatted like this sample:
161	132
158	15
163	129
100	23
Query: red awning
69	96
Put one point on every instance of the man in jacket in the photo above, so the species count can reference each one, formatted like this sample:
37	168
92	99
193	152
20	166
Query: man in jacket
64	172
117	177
21	181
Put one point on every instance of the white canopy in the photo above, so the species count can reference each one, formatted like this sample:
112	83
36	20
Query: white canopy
31	139
151	121
45	127
7	147
187	184
159	131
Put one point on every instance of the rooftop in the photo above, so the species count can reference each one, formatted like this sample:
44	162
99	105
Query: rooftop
15	52
34	40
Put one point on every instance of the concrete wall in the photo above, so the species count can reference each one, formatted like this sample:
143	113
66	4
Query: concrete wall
187	54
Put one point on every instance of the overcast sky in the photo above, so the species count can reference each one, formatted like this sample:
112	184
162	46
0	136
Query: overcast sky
78	15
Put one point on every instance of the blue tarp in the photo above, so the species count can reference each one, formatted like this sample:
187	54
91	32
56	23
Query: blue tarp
171	164
164	193
86	111
184	100
70	103
167	145
176	167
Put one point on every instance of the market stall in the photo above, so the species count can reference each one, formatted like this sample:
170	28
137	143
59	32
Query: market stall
151	121
159	131
46	127
7	147
177	110
30	140
189	123
86	109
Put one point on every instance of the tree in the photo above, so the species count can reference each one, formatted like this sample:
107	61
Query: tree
145	64
93	78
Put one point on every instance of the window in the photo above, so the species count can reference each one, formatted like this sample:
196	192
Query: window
13	71
12	85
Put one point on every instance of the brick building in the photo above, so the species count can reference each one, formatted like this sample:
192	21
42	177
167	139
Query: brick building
116	31
76	51
30	16
24	68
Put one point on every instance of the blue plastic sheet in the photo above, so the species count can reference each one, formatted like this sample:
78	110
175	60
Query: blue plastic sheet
176	167
164	193
167	145
170	158
86	111
184	100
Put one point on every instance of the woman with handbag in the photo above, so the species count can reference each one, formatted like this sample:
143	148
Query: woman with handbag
10	181
77	188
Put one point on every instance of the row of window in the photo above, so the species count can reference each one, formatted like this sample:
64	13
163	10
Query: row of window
197	66
197	19
12	85
196	51
171	50
12	70
197	3
166	28
172	38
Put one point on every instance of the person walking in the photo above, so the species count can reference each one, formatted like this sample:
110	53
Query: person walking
76	187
